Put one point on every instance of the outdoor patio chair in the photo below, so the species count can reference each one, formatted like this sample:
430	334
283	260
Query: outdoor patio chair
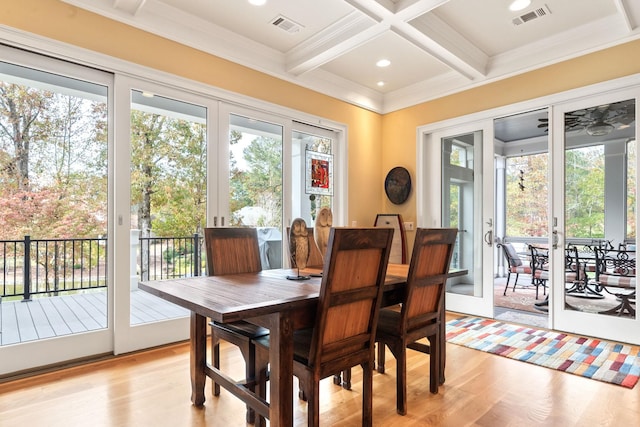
616	275
515	264
539	268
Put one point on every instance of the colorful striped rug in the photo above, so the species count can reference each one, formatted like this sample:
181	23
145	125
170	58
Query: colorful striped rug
589	357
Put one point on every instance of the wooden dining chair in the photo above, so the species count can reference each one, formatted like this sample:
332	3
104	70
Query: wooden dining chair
422	310
233	251
346	316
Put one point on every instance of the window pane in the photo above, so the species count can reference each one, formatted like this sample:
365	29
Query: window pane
307	202
168	185
584	192
526	203
53	195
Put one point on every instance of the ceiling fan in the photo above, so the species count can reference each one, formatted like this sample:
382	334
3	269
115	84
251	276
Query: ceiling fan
600	120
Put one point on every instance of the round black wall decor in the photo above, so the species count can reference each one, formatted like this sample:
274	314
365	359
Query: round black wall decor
397	185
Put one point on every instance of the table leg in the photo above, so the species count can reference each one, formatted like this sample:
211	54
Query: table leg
198	357
281	375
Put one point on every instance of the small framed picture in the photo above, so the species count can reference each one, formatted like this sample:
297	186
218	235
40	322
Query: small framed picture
319	173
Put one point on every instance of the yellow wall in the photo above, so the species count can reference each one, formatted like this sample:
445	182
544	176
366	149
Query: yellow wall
376	143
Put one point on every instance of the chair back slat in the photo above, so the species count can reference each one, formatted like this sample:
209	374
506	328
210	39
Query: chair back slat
349	298
232	250
428	273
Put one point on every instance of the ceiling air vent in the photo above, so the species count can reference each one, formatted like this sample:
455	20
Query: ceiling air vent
287	24
532	15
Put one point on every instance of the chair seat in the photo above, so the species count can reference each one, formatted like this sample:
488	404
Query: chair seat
617	281
301	344
521	269
246	329
541	274
389	321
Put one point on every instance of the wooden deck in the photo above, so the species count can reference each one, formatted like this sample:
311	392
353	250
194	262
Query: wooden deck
48	317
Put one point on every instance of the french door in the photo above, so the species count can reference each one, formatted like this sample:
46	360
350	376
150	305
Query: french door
594	203
456	172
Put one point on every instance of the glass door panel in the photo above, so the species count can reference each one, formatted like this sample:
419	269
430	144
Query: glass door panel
467	193
255	160
55	292
168	197
598	220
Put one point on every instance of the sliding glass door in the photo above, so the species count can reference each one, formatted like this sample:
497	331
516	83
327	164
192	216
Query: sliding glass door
55	143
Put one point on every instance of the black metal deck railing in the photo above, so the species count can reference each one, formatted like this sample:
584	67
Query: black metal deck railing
170	257
53	266
50	266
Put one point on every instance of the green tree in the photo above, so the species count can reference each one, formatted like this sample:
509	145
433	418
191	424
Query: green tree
168	176
260	184
584	192
52	164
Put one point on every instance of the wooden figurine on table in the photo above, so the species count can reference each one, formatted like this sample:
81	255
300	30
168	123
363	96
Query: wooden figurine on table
324	221
299	246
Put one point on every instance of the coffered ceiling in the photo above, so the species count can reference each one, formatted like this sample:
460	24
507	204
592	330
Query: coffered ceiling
435	47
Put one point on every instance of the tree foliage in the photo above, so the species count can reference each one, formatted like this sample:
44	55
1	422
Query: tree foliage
53	153
168	174
258	184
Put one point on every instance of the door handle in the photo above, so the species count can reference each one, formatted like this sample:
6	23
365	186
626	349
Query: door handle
488	237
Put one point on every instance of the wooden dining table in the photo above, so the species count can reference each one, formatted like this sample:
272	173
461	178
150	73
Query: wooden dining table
267	299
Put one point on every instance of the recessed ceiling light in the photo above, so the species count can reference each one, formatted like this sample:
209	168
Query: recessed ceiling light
517	5
380	83
383	63
257	2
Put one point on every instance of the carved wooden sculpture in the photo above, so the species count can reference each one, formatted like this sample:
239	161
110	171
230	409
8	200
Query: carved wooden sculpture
324	221
299	246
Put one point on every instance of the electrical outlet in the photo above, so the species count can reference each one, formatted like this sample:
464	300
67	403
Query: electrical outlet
408	226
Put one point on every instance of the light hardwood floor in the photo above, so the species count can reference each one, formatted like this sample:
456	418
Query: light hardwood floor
152	388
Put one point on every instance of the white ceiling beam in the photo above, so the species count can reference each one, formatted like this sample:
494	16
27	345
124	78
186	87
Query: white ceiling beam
339	38
441	42
437	38
129	6
624	14
408	10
